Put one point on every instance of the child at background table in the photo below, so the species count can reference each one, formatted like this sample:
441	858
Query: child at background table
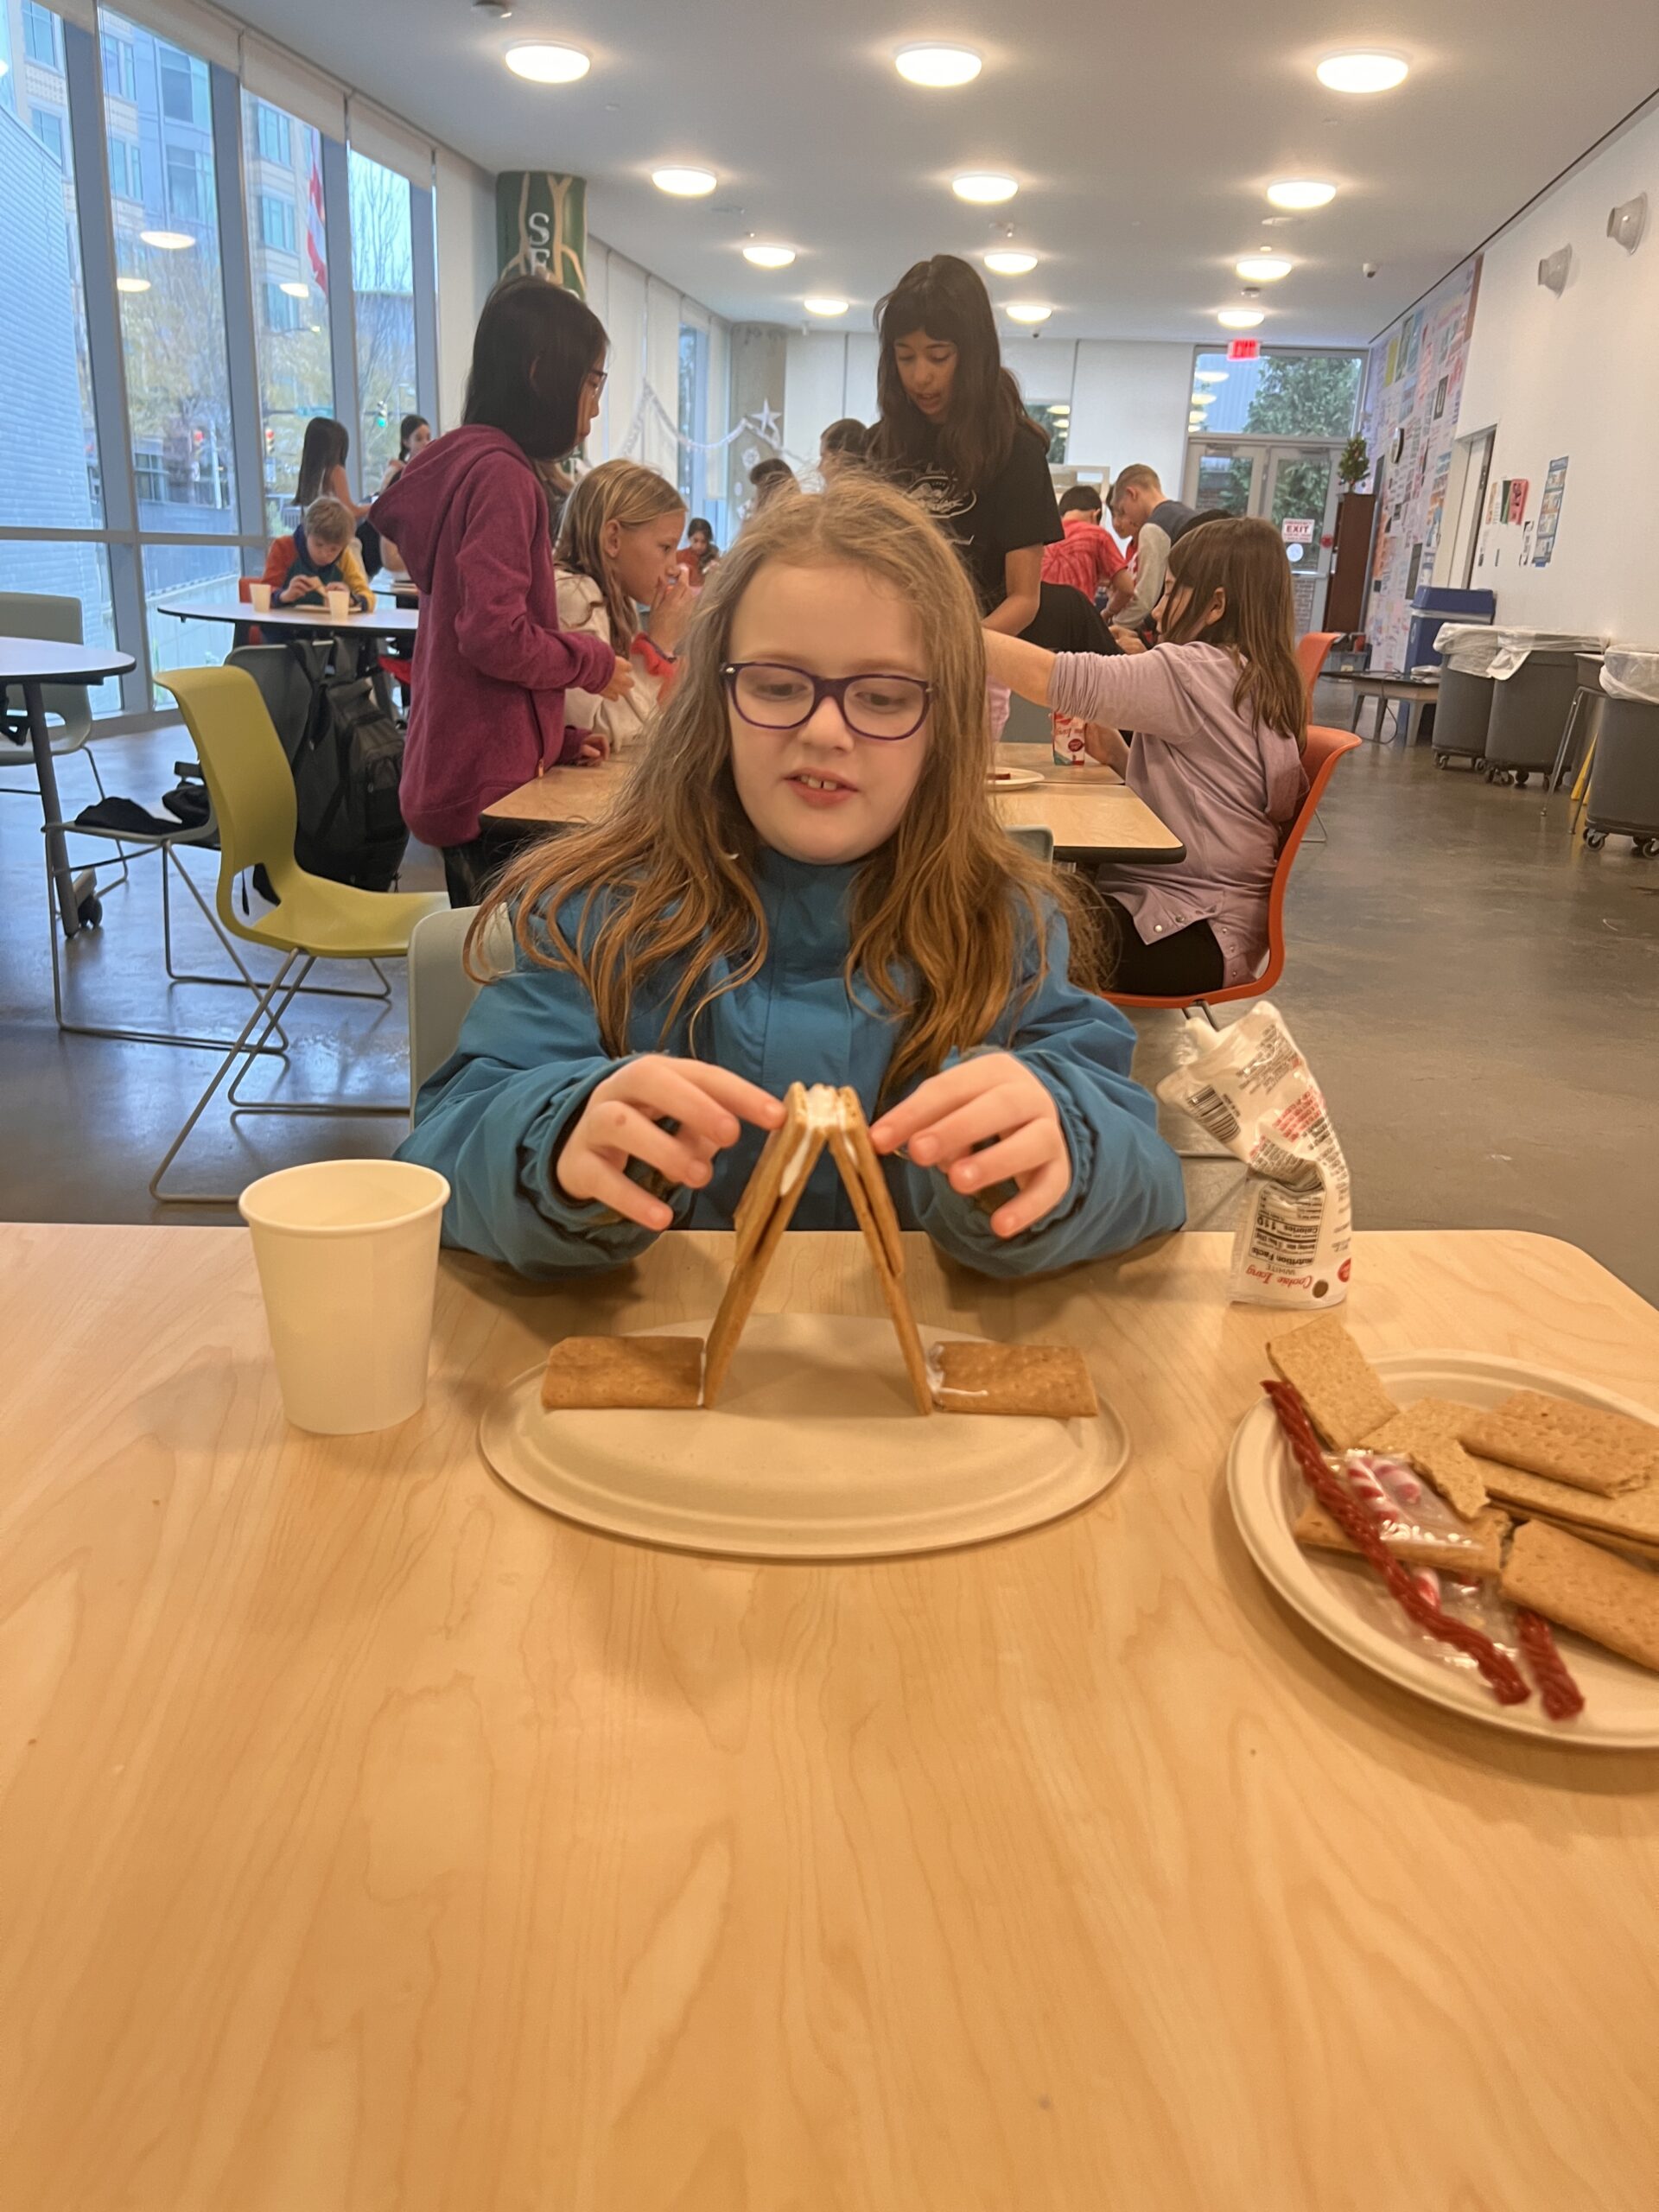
618	550
801	881
1087	557
699	553
325	552
1219	710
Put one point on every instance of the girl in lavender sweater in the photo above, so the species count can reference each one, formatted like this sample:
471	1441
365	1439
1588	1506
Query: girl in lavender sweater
1219	710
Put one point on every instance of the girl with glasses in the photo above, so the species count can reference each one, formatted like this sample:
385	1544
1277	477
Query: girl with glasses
802	879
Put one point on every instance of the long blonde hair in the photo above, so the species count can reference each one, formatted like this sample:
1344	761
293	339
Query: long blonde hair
620	491
945	915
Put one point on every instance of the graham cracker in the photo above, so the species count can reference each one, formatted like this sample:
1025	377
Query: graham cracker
861	1170
778	1153
1426	1434
1581	1587
1345	1401
1051	1380
1595	1451
779	1195
1476	1551
1635	1514
604	1373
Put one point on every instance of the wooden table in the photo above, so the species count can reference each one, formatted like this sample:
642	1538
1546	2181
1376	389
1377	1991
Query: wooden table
384	621
370	1839
1092	816
27	664
1405	694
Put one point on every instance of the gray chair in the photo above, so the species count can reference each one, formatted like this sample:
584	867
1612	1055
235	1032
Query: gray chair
68	710
440	989
1035	837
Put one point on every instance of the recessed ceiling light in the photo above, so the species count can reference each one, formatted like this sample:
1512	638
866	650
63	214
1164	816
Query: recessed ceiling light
1211	376
548	65
769	256
1239	318
1302	192
1202	399
1264	268
1362	73
295	291
823	303
168	241
983	189
684	184
132	283
938	64
1010	263
1029	311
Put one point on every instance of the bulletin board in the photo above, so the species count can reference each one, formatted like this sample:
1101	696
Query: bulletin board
1413	383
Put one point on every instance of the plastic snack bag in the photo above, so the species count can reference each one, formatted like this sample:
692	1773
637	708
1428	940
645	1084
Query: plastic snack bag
1254	1092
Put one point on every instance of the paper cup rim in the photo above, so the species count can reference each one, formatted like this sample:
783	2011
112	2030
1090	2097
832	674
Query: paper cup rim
438	1198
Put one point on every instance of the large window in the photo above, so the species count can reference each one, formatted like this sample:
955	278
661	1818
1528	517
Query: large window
289	255
1279	394
126	169
184	85
42	37
118	75
47	126
383	281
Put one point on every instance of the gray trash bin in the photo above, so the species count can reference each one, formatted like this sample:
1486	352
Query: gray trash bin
1624	781
1465	704
1535	675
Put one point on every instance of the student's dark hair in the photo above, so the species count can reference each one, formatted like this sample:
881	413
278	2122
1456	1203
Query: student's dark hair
535	347
1081	499
702	522
848	439
406	430
770	470
948	300
1243	557
327	444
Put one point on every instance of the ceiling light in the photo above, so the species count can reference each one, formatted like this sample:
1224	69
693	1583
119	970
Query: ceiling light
684	184
821	303
1302	192
1029	311
1202	399
1010	264
295	291
548	65
1264	268
982	189
168	241
938	64
769	256
1239	318
1210	376
132	283
1362	73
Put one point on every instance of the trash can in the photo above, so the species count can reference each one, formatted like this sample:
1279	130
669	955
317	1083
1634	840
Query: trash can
1624	781
1465	705
1535	674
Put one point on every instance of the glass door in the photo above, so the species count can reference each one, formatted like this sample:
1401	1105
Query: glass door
1221	476
1300	499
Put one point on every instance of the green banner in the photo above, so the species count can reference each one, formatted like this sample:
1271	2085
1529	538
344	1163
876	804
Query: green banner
541	221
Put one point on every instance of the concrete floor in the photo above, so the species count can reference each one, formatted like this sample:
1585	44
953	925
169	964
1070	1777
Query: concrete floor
1476	992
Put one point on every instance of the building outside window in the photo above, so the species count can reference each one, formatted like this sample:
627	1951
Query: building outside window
42	37
118	78
47	127
383	283
270	132
126	169
290	255
277	222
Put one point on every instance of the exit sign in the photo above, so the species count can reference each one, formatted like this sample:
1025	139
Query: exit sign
1244	349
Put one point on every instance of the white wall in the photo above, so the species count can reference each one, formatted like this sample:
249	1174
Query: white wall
642	316
466	269
1576	376
1128	398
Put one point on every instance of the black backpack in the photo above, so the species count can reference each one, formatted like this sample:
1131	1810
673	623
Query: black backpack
347	765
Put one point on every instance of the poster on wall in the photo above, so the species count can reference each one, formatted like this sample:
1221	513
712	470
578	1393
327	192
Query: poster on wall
1549	512
1410	418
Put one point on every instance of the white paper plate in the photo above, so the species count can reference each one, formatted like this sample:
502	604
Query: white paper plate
1014	779
1344	1599
815	1451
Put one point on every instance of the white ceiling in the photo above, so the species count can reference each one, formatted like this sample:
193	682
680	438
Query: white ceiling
1143	136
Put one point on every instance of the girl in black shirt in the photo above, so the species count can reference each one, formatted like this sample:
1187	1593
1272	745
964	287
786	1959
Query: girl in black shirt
954	432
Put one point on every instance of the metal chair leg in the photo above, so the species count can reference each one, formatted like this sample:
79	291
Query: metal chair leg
267	1009
243	979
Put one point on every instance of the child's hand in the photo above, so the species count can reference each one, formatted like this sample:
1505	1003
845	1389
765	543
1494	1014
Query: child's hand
993	1095
622	682
302	587
623	1121
592	749
671	611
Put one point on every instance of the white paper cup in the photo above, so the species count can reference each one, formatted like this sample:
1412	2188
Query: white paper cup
340	601
259	598
347	1254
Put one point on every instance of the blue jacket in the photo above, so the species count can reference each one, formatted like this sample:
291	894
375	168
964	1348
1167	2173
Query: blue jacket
493	1117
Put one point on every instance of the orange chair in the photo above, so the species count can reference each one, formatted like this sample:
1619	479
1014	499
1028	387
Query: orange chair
1325	749
1311	652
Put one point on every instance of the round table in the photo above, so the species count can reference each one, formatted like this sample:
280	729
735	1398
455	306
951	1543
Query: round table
29	663
388	622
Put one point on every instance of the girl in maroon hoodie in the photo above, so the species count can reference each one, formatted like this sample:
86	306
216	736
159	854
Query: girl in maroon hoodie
469	516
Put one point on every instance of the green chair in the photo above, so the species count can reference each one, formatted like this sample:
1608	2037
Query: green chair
251	788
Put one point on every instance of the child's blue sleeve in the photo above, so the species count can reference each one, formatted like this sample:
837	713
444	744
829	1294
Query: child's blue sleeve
493	1118
1126	1182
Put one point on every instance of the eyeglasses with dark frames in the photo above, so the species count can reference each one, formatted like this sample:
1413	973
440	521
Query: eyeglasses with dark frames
771	694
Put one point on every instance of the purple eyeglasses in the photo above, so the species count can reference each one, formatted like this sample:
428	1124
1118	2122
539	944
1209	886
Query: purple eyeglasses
770	695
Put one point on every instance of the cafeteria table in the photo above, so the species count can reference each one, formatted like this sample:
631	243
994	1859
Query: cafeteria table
382	622
26	664
1091	814
1407	695
369	1837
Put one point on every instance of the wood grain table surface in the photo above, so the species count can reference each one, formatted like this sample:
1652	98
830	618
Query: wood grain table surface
371	1842
1092	815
